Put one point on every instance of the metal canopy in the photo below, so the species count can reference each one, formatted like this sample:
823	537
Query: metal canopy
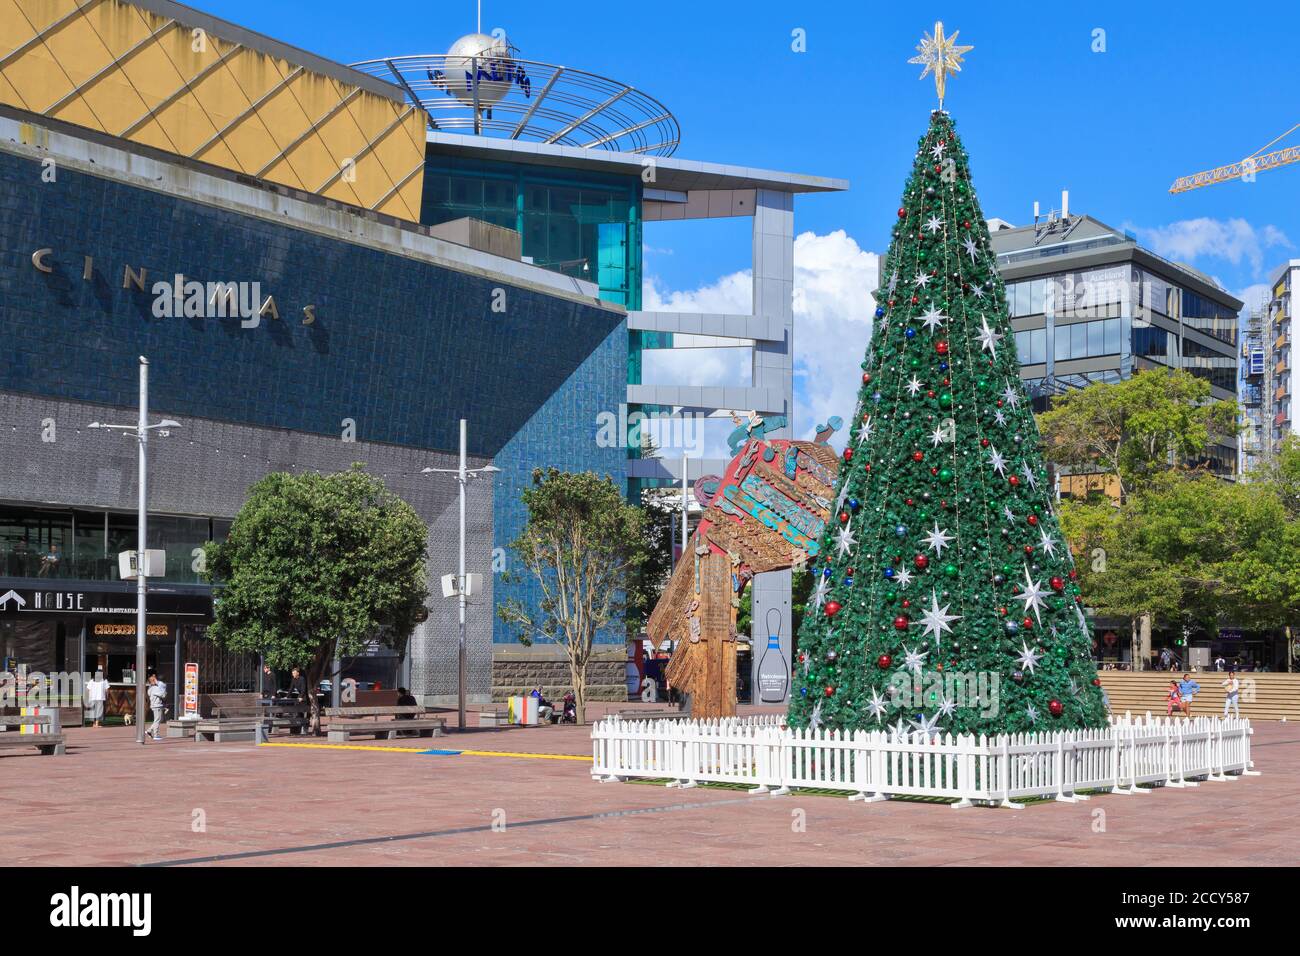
542	102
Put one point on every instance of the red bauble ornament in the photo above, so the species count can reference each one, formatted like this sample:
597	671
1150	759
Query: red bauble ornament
848	572
1032	519
909	501
901	622
1058	584
984	443
844	517
848	454
902	213
1002	611
1029	549
883	662
867	467
1073	574
921	561
915	300
906	602
1027	623
941	347
1055	707
917	456
830	691
930	393
1013	481
965	223
832	608
1096	682
866	378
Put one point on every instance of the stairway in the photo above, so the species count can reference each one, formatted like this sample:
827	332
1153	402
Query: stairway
1264	696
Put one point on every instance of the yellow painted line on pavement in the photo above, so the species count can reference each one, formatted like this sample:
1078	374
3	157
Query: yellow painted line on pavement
506	753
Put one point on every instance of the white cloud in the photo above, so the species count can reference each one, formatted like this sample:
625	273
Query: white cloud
1233	240
1255	296
833	306
731	294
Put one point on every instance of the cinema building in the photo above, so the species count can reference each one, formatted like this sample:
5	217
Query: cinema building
327	264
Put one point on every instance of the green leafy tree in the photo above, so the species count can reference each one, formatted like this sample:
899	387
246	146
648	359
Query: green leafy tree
943	555
1137	428
1189	549
583	545
648	581
316	566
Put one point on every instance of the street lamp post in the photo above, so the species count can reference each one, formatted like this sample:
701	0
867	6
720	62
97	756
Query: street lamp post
140	432
462	473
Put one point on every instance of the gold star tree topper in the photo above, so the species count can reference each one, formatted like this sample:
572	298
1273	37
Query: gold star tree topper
941	55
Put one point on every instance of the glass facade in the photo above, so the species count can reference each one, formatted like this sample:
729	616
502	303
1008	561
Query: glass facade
75	545
588	228
1087	340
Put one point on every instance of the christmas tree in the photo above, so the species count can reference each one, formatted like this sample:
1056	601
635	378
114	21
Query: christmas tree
945	597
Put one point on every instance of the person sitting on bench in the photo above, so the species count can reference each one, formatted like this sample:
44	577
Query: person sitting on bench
406	699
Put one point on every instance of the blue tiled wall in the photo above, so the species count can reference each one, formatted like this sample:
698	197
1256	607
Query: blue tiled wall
569	419
402	347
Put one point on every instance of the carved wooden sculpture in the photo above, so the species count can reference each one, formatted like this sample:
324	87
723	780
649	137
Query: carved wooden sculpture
765	514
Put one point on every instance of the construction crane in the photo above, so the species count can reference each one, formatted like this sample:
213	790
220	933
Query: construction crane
1254	163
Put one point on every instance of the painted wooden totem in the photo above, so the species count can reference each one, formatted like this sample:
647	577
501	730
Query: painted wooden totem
766	513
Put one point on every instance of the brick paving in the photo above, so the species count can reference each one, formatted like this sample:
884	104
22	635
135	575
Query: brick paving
112	802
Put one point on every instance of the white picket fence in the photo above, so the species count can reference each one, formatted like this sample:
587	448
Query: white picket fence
874	765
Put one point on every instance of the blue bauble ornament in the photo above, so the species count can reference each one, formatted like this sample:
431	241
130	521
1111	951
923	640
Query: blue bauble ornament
943	366
889	574
911	333
826	572
1011	627
901	531
854	504
848	582
875	397
880	313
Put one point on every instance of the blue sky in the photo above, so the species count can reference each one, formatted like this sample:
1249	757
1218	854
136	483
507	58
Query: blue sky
1180	87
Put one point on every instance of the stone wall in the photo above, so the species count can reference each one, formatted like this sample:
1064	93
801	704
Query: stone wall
518	675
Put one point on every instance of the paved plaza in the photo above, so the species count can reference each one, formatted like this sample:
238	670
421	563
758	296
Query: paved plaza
524	796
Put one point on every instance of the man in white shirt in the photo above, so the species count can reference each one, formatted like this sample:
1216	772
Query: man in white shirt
96	697
157	693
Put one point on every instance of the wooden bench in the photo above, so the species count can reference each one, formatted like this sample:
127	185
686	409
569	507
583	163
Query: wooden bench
49	738
382	723
241	716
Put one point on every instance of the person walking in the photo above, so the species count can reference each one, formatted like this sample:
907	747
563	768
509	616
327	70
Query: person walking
1233	686
1187	689
96	698
157	694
